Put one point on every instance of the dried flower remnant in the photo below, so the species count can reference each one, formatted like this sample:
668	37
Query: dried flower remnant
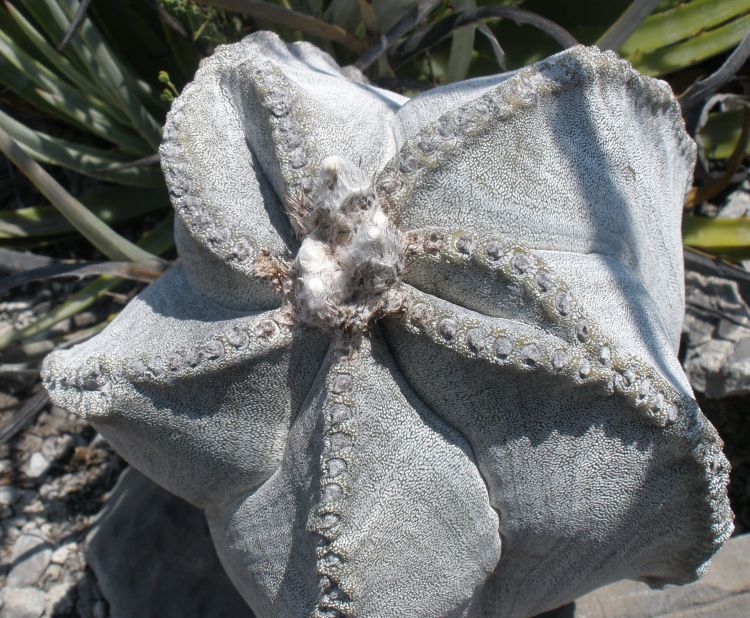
351	257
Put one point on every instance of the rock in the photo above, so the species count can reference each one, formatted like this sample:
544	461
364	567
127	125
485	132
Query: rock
37	466
737	203
35	507
717	336
56	447
30	527
60	555
60	599
18	521
30	557
87	318
8	495
8	408
76	562
52	575
29	442
10	532
17	313
98	441
57	422
21	603
724	592
141	525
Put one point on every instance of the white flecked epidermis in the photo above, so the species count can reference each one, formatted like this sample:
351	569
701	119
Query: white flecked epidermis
351	257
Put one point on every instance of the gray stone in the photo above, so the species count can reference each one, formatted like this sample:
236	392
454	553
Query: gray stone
153	557
717	336
60	554
10	531
53	575
8	495
737	203
30	557
31	527
21	603
60	599
723	593
6	466
56	447
37	466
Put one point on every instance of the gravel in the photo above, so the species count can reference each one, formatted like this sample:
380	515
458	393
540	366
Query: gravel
54	479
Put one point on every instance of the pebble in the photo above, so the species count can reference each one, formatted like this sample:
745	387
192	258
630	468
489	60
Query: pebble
6	466
36	467
10	532
717	346
60	555
54	573
22	602
56	447
98	441
8	495
82	320
59	599
30	558
17	522
40	576
29	527
36	507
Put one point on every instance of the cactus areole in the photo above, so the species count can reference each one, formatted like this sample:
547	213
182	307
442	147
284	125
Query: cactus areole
418	356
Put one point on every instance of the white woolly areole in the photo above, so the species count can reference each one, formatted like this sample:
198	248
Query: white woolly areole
314	257
351	256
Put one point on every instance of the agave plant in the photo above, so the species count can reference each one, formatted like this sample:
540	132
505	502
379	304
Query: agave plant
115	118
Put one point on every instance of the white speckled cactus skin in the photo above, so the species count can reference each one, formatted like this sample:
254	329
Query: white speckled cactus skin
509	429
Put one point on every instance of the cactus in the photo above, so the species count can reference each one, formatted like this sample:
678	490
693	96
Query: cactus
418	357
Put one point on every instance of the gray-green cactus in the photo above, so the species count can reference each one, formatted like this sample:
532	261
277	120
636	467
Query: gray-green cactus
418	356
